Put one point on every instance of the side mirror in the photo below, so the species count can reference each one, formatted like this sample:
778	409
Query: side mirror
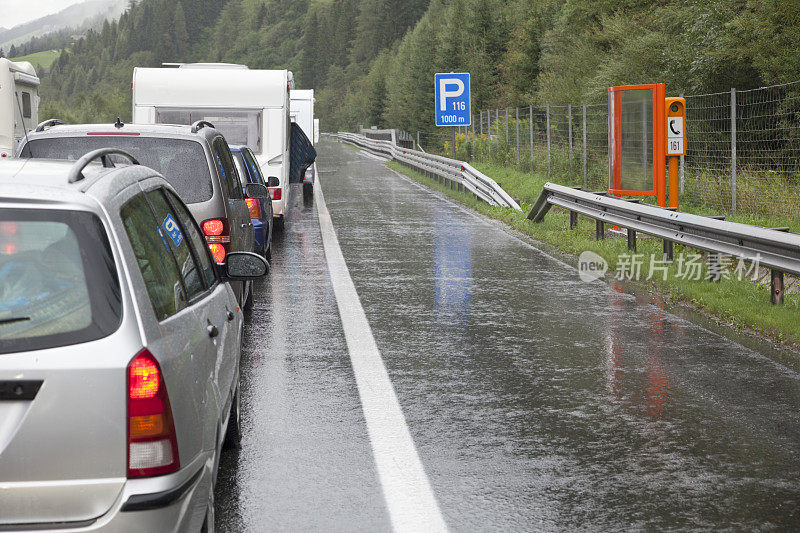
257	191
245	266
273	181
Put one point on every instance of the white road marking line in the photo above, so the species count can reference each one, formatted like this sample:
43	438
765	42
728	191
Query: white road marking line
407	491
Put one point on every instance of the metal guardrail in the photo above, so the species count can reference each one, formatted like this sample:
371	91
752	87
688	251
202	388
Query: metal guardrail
452	173
775	248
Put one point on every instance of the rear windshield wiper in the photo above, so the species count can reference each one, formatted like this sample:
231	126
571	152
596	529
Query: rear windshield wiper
14	320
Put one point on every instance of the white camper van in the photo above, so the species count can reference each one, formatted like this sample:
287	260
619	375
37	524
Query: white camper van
249	107
19	103
302	112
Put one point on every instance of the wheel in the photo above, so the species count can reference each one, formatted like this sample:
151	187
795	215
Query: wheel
208	523
233	436
278	223
268	253
248	301
308	190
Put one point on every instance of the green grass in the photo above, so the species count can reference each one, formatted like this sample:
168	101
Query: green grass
41	59
352	147
743	304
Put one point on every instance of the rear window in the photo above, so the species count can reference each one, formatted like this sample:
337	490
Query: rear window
182	162
237	126
58	280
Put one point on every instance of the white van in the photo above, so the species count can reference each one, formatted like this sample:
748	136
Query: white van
19	103
302	112
249	107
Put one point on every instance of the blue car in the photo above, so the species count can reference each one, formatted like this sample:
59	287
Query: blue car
260	210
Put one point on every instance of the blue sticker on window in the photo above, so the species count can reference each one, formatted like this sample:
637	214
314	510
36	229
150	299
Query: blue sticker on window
173	230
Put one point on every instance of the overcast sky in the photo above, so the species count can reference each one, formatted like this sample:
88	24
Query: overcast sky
14	12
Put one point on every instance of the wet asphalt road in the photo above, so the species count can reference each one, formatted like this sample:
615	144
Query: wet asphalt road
536	401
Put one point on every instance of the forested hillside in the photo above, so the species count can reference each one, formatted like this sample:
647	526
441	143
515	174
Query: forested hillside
372	61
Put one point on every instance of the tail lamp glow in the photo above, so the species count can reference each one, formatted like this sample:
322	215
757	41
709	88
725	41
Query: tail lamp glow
152	441
254	207
218	237
275	193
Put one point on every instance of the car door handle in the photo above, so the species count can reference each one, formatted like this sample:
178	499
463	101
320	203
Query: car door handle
213	332
230	315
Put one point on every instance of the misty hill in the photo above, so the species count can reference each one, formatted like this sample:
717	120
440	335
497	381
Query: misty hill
75	17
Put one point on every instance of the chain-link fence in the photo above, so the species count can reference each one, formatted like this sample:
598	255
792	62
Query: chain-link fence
743	149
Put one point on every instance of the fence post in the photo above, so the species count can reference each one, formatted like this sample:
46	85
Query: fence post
548	139
517	111
733	150
569	114
489	132
531	125
585	178
419	146
682	163
480	115
507	143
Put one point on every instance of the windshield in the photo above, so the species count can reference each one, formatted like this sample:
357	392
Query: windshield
182	162
58	281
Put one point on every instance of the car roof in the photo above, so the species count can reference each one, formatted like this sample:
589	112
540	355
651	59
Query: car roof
145	130
45	182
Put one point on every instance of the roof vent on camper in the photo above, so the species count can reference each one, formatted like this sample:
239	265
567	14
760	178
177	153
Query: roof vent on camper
49	124
214	65
200	124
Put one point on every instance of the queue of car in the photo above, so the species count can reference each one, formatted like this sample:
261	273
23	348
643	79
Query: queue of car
128	254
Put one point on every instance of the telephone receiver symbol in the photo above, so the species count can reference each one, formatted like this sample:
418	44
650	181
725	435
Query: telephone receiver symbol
671	122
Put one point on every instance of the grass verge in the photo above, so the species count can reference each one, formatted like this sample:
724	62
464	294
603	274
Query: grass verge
742	304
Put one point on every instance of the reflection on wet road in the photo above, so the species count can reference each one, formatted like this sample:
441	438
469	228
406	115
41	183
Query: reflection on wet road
535	401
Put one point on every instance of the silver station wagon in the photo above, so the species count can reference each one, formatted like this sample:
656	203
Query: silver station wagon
120	341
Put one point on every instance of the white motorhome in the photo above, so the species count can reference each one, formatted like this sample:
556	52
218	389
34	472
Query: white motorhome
302	112
19	103
249	107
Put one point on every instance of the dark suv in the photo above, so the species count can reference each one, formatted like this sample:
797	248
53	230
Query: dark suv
195	160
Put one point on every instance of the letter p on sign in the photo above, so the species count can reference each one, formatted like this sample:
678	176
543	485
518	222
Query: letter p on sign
453	103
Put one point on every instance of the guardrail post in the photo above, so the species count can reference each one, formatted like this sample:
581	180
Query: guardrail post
632	240
599	230
585	174
668	251
573	219
548	139
531	127
569	114
517	112
733	150
777	287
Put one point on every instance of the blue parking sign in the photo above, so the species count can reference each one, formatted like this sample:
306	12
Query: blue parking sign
173	230
453	104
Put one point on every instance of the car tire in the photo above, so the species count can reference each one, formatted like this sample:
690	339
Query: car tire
233	436
308	190
278	223
248	301
268	253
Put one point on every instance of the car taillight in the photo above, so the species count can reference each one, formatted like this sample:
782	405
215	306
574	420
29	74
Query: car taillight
152	441
275	193
254	206
8	238
217	252
218	237
213	227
